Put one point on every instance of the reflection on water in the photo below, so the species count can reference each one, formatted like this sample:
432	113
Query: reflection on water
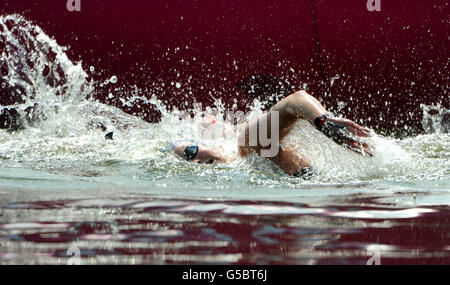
64	189
155	231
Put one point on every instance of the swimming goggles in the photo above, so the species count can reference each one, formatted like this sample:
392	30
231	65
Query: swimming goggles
191	151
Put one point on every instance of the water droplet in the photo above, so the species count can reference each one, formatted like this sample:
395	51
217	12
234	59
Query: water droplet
178	85
91	69
113	79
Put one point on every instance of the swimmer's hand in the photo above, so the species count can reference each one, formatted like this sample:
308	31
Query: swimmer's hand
344	132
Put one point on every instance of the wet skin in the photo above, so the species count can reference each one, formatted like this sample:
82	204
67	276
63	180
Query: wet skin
299	105
205	154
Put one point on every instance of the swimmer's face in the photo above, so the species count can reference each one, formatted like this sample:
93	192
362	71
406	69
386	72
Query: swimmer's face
202	154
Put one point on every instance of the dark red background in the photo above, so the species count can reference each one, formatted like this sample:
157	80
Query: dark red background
388	62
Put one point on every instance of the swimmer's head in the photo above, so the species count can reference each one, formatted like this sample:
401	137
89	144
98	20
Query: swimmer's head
199	153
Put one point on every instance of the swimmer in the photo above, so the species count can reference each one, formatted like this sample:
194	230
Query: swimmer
297	106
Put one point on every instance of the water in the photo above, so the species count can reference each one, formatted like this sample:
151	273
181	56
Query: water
63	187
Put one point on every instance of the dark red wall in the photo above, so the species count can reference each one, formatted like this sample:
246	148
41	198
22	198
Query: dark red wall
388	62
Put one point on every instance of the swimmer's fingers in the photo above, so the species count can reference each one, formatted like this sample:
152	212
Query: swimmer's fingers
360	131
358	147
352	127
367	149
348	134
357	130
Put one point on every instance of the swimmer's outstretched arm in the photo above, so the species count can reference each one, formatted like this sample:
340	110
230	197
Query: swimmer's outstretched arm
301	105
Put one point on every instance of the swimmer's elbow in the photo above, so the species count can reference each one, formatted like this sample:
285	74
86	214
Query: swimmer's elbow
290	162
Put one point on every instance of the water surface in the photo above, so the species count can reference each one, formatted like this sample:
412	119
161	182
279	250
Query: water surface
63	187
